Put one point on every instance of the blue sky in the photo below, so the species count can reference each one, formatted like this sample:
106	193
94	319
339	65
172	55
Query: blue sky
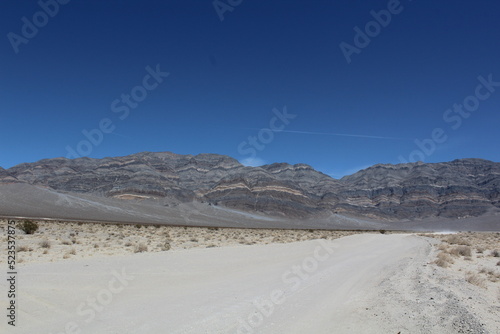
268	83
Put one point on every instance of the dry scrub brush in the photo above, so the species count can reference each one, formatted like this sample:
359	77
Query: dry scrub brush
45	244
140	248
444	260
454	240
461	251
475	279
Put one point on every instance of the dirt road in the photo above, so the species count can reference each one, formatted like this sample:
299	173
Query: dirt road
368	283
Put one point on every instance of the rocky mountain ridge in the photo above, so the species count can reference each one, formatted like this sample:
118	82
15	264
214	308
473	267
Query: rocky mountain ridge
460	188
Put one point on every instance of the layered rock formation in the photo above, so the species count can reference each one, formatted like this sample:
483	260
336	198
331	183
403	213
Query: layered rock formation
467	187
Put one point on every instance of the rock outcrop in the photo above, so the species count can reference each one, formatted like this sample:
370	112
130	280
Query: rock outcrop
467	187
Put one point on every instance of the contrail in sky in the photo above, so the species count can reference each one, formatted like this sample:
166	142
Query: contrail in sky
341	135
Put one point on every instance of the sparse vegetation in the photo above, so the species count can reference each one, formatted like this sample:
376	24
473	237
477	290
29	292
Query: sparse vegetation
28	227
444	260
45	243
495	253
475	279
464	244
443	247
57	238
457	240
140	248
23	249
461	251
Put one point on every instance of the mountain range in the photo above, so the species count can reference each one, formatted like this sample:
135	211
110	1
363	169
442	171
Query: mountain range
165	182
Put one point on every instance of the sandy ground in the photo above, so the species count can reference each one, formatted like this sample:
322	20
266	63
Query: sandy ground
250	282
56	241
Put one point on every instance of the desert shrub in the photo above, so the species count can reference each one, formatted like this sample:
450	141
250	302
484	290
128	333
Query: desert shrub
443	260
23	249
45	244
138	225
443	247
498	263
480	250
453	239
72	251
456	240
66	242
461	251
140	248
382	231
473	278
28	227
495	253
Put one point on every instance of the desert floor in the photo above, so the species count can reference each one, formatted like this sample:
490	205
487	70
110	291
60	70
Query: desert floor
98	278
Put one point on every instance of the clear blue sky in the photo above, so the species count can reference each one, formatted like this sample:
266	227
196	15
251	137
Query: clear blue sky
226	77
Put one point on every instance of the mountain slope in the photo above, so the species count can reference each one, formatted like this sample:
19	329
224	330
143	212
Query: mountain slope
467	187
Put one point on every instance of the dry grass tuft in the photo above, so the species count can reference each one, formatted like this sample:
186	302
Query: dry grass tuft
45	244
23	249
140	248
457	240
443	247
444	260
475	279
461	251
